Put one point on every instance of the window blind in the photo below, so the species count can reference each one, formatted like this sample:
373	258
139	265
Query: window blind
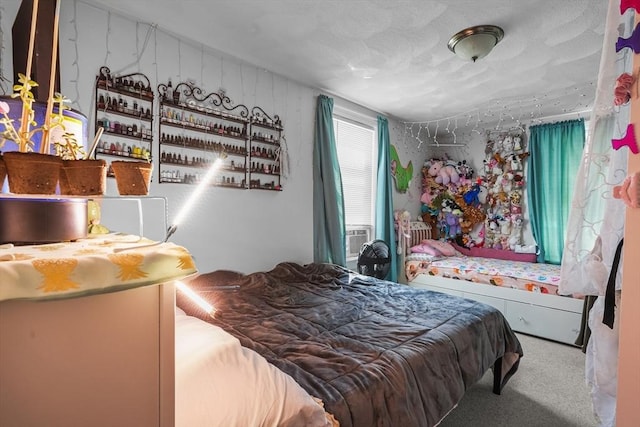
355	147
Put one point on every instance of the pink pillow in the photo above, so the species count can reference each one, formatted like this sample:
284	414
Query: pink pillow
444	248
425	248
497	254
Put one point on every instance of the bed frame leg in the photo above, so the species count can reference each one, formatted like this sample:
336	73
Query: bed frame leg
497	376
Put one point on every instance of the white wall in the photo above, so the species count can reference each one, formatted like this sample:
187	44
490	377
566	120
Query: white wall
243	230
407	151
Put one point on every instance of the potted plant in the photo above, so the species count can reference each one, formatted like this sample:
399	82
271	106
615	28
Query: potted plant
133	178
29	172
79	175
3	172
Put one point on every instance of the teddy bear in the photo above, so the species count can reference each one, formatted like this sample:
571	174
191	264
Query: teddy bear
514	162
477	235
515	200
515	238
496	186
465	170
492	225
518	180
488	241
427	197
444	174
452	220
488	149
507	144
471	196
507	182
517	143
504	243
505	225
497	146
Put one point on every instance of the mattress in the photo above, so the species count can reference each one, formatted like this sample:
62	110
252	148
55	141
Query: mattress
375	352
533	277
220	383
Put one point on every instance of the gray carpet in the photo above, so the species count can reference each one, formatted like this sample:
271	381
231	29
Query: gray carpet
548	390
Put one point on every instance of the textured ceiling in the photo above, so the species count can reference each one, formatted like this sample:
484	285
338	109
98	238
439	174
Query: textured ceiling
392	55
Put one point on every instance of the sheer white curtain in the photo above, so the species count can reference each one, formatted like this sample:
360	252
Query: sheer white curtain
596	222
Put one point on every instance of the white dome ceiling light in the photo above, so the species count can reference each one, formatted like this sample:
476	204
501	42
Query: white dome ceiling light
476	42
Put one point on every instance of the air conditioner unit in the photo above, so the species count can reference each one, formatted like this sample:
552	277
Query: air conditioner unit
356	237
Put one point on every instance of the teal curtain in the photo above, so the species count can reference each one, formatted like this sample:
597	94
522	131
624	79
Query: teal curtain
328	199
384	196
555	152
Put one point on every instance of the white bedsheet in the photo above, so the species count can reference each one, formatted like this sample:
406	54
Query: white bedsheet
221	383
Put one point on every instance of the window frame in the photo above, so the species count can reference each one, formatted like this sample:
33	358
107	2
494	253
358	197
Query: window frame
369	123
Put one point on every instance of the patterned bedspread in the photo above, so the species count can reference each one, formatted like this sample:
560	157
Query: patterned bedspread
377	353
534	277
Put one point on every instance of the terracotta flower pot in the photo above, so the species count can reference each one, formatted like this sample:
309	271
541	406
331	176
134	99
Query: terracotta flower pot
132	177
3	172
32	173
85	177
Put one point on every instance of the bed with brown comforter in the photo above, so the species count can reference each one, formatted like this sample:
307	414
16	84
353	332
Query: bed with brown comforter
377	353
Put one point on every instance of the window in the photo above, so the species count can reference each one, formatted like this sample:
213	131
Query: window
356	147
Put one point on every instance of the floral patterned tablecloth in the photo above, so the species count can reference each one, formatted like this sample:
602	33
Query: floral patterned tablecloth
89	266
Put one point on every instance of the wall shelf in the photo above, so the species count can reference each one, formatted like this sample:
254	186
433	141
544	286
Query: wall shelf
265	150
196	128
124	108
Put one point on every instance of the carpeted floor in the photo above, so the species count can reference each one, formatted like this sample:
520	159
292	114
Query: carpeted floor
548	390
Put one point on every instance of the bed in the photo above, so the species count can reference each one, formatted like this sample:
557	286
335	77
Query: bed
525	292
373	352
527	276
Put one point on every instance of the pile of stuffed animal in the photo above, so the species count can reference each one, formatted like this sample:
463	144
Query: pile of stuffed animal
481	211
451	197
504	177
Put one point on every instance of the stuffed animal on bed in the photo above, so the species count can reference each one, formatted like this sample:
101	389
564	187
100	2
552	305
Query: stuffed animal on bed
444	174
471	196
452	220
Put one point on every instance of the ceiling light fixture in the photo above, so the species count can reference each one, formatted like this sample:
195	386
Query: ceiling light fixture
476	42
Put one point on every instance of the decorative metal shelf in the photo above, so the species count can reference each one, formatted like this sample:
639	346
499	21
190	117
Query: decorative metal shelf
139	116
265	141
260	118
256	187
206	150
203	166
186	107
205	111
259	156
184	93
132	94
238	186
133	89
205	130
137	137
105	81
127	156
261	172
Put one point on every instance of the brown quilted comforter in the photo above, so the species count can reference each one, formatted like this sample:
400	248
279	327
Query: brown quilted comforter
376	352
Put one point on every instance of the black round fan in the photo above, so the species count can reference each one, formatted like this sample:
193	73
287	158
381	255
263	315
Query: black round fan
374	259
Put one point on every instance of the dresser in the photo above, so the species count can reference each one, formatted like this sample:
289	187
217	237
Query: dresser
87	333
